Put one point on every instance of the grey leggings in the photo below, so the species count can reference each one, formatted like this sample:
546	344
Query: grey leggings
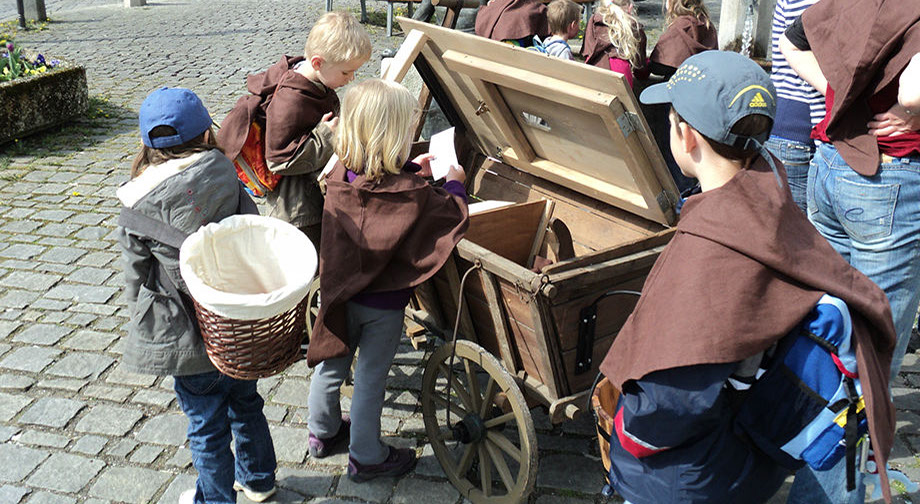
376	332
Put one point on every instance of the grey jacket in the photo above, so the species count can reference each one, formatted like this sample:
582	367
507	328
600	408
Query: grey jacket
185	193
297	198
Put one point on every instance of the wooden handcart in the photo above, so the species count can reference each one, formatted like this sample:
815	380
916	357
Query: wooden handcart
566	146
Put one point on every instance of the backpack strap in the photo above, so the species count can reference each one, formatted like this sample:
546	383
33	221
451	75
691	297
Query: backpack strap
167	235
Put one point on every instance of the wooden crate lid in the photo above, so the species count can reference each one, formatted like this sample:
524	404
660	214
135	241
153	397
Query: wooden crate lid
567	122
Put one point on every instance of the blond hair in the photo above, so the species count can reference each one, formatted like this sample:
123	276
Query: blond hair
373	133
674	9
622	29
338	37
560	14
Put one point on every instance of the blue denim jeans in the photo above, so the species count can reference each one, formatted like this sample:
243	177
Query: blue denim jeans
874	223
216	406
796	157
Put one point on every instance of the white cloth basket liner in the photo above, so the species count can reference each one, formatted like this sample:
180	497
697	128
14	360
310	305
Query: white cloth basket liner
248	267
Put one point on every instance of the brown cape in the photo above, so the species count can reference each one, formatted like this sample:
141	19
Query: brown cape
597	49
378	237
684	37
861	46
287	103
744	267
512	20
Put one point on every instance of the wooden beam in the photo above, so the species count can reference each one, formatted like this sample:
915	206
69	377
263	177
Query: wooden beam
406	55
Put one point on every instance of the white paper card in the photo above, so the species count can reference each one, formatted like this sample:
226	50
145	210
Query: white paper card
442	146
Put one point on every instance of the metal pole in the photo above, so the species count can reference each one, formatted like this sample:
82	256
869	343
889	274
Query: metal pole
22	13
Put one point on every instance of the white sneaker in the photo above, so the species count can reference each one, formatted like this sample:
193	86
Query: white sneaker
253	495
187	497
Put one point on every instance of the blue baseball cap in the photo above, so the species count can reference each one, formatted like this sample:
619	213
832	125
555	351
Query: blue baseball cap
713	90
178	108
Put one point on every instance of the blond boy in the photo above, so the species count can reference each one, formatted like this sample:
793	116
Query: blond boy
295	101
562	16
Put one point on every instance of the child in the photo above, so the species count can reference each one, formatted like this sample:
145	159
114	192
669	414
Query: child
744	268
295	100
562	16
615	40
181	180
385	230
689	31
512	21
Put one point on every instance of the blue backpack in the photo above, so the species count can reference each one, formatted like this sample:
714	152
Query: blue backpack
804	403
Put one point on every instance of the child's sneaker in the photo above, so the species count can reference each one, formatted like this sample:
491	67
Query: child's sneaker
320	448
254	495
399	462
188	496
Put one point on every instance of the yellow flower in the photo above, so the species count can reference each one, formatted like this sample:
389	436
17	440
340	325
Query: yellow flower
6	70
42	69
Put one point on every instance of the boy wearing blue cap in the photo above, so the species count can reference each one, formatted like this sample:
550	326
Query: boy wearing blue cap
743	270
181	180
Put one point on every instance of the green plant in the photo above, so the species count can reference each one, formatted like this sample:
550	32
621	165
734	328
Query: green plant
13	64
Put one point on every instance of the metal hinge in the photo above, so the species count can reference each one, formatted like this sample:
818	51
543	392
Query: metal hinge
666	200
629	122
482	108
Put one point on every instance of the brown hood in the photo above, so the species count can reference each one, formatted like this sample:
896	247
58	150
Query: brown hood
744	267
512	20
296	104
861	46
597	49
378	237
683	38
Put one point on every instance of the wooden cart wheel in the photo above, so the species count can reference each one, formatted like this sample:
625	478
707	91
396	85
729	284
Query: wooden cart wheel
485	459
313	300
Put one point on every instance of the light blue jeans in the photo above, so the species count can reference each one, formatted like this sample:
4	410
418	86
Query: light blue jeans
874	223
796	157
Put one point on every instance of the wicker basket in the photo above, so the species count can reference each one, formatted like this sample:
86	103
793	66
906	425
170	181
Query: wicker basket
603	405
252	349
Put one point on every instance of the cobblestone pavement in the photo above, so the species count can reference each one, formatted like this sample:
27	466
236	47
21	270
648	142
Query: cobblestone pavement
73	426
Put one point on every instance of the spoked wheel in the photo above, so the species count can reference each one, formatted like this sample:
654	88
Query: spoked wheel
313	301
488	452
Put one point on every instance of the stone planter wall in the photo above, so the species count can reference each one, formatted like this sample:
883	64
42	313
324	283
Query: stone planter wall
31	104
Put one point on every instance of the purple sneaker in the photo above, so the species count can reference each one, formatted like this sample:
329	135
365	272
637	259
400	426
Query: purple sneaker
320	447
398	462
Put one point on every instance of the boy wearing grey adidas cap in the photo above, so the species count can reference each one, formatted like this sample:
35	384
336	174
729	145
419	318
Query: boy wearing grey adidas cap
743	270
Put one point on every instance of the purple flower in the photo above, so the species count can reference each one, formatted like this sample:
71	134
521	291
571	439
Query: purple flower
55	62
40	60
9	46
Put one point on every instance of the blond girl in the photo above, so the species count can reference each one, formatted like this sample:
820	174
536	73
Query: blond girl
385	230
615	40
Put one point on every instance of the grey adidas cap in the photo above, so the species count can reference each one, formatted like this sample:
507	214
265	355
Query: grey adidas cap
713	90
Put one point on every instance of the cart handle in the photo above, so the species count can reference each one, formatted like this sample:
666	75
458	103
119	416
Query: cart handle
477	264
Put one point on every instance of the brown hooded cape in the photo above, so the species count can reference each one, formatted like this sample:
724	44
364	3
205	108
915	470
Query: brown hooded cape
597	48
379	237
286	102
744	267
512	20
684	37
861	46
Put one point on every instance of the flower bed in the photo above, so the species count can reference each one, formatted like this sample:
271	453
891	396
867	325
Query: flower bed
36	94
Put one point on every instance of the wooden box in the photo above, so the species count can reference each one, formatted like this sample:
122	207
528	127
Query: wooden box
563	142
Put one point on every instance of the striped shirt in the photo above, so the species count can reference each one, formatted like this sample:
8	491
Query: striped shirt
788	84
